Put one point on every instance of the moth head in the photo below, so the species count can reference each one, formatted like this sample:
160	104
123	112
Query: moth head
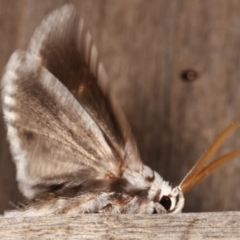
172	202
166	199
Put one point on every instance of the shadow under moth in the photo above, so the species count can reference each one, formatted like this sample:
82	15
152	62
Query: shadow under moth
72	146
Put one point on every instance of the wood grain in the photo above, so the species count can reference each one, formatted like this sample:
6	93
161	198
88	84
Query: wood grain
145	46
182	226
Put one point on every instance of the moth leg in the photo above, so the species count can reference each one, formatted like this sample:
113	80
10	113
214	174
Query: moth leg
158	208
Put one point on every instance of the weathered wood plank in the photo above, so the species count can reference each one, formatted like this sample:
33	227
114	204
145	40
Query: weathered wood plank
169	227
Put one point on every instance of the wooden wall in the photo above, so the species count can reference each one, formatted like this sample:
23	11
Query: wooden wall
145	46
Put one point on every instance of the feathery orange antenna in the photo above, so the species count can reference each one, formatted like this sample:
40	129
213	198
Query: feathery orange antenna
200	170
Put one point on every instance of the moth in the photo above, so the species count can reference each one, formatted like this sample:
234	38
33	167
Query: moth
73	148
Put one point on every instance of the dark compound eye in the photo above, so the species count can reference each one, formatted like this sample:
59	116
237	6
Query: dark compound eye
189	75
166	202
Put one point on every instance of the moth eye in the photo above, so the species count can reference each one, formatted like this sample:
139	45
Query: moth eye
166	202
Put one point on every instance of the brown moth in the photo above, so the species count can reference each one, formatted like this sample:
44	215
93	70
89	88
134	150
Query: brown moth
72	146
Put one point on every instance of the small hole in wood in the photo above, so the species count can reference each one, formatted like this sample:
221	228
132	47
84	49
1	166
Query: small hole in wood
189	75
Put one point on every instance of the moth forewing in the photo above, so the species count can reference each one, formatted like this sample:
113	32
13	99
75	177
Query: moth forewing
63	36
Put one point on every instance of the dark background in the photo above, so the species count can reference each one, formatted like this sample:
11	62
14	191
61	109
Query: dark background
145	46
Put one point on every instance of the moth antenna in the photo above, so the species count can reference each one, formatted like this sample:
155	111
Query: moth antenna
209	169
208	154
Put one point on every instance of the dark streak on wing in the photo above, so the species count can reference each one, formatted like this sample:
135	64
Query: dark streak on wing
118	186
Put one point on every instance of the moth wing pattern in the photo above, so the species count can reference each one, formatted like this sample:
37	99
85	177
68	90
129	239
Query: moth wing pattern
63	124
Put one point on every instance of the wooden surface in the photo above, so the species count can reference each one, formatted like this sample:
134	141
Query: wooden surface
145	46
183	226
